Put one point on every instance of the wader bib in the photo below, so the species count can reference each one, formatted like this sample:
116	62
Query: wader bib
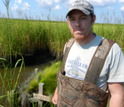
84	93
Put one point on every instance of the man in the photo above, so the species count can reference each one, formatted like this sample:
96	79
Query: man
80	19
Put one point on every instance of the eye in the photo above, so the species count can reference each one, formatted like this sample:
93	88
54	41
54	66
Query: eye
83	18
72	19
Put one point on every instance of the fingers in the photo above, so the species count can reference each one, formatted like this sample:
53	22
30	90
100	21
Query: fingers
54	101
55	97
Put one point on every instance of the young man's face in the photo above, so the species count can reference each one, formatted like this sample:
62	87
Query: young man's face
80	24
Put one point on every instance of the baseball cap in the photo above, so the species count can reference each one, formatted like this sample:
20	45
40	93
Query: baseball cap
82	5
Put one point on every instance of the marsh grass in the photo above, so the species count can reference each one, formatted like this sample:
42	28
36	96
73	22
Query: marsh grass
48	76
111	31
9	83
28	36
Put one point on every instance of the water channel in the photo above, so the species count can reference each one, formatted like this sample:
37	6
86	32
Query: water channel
25	74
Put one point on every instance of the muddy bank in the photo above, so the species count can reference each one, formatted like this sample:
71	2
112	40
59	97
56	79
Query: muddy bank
36	58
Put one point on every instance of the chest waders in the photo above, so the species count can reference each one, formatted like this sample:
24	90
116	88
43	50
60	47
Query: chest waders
84	93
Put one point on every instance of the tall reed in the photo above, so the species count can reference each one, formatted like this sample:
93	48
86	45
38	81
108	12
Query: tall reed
6	3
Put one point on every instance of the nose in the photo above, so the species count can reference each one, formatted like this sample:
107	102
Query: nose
77	23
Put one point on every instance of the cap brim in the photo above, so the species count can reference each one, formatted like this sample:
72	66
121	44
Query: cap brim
86	12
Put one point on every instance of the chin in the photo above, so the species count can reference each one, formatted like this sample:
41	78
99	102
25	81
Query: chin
79	36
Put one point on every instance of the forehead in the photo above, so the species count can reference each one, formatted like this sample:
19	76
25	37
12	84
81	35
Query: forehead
75	12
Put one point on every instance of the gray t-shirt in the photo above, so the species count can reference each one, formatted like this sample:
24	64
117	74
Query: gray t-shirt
80	57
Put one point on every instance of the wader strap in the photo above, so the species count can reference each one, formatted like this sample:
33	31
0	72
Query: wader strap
67	49
98	60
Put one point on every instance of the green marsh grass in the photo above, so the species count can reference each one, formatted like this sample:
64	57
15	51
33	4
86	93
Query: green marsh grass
9	82
27	36
48	76
111	31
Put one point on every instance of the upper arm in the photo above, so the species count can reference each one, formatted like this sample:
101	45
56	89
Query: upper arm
116	94
116	89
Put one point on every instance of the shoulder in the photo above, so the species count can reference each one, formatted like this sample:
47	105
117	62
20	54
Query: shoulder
70	42
116	57
115	49
115	54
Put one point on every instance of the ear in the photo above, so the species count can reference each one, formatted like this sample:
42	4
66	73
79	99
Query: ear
93	19
67	20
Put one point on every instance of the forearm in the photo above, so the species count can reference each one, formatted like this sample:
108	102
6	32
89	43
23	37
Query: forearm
116	101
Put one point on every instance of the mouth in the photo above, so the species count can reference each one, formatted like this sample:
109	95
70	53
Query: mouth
78	31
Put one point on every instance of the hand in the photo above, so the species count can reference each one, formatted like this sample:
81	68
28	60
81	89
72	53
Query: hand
55	97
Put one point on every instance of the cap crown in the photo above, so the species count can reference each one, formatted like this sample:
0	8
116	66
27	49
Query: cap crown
82	5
